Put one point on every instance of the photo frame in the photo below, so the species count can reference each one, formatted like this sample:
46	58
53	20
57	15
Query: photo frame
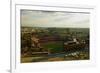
20	8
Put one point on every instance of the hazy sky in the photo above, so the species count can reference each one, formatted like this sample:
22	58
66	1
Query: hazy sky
54	19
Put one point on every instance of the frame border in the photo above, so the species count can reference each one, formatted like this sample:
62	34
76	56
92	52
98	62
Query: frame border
11	64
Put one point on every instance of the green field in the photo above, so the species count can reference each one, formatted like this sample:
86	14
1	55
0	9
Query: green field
56	46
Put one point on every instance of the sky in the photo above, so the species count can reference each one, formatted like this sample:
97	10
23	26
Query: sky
33	18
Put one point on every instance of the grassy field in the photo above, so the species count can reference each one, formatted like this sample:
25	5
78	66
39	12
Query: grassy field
56	46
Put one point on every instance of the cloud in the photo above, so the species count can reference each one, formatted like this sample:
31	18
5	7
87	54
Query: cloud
54	19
